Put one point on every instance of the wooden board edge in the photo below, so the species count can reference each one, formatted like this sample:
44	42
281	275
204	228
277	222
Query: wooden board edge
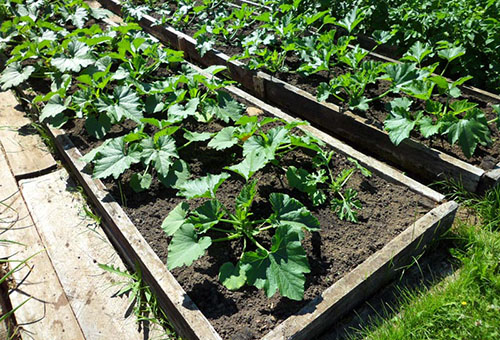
187	319
490	180
359	284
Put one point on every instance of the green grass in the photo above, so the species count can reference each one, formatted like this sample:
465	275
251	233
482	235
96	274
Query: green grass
463	306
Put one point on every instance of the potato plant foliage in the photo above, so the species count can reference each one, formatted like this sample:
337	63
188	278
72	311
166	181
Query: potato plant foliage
117	78
320	36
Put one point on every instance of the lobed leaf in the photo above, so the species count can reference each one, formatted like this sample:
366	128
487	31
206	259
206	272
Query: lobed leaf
185	247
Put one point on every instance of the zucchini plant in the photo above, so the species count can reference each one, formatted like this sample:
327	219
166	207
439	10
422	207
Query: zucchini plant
279	267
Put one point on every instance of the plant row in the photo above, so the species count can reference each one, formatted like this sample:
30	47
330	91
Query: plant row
299	38
111	77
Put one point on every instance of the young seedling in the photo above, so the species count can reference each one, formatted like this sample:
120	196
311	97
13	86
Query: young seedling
345	203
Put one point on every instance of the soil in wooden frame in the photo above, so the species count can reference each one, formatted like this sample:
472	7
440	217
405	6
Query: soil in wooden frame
485	157
338	248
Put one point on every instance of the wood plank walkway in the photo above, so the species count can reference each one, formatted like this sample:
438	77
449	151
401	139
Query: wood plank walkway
66	295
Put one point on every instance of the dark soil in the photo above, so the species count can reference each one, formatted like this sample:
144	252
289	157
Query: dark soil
337	249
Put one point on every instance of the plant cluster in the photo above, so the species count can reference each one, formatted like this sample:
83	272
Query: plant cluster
119	77
474	25
317	42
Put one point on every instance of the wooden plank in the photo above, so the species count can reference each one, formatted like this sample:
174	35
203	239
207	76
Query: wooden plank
365	279
76	245
47	315
187	319
490	179
26	153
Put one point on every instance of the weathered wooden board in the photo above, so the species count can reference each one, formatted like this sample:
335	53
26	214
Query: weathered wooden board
76	245
419	160
26	153
47	315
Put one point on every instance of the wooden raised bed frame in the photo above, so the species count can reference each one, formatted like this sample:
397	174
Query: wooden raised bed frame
348	292
426	163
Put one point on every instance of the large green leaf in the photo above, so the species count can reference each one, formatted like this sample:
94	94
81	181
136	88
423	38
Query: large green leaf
302	180
15	74
79	18
124	103
418	52
282	268
428	128
227	108
224	139
177	175
233	278
77	56
399	127
175	219
452	53
246	195
114	159
289	211
496	108
267	145
185	247
252	163
203	186
402	74
193	136
140	182
469	132
98	126
161	153
179	112
400	122
54	106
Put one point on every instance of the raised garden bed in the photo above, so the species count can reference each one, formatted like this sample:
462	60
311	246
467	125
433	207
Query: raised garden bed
358	250
426	162
348	289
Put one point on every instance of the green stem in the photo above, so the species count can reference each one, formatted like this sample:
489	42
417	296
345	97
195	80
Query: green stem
493	120
251	238
265	228
233	222
380	96
222	230
229	238
183	146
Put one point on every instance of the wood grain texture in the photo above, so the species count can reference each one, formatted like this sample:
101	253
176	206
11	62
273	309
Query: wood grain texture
76	245
26	153
47	315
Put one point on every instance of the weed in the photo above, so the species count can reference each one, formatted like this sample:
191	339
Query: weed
145	305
